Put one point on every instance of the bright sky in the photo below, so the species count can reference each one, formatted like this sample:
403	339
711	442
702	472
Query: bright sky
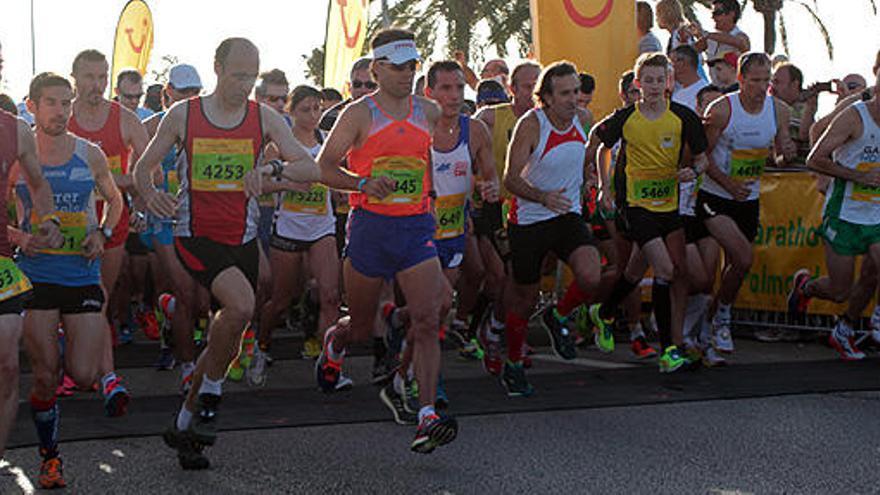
286	30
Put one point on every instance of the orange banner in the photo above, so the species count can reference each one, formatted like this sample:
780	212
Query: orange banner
134	40
599	36
346	32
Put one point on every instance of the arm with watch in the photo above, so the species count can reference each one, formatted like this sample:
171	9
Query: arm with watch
93	245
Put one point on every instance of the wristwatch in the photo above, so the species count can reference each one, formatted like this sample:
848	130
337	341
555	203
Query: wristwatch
107	231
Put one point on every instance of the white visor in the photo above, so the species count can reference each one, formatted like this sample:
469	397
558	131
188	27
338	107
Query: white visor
397	52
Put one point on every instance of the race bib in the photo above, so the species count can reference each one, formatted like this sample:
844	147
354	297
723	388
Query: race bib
114	163
450	216
748	165
173	182
219	165
409	175
12	281
861	192
74	228
312	202
652	190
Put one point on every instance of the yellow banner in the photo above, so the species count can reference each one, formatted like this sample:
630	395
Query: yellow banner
134	40
599	36
346	31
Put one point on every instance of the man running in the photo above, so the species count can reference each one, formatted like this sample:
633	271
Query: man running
743	129
848	151
387	139
120	134
66	278
656	135
221	137
17	145
545	175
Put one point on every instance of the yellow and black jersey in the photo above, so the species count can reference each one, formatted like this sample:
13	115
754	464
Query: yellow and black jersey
650	153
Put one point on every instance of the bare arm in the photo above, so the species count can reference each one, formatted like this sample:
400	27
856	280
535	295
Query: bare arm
717	116
345	135
484	160
740	41
846	127
469	76
522	145
135	136
786	150
299	164
819	127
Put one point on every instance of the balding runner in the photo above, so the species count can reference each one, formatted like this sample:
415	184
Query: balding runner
221	137
17	145
387	139
120	135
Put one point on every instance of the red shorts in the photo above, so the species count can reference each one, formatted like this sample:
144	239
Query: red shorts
120	232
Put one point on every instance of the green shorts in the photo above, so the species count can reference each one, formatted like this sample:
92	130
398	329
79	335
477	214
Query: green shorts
849	239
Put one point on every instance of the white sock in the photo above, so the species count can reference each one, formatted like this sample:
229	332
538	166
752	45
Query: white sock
843	329
184	418
211	386
635	332
425	412
399	385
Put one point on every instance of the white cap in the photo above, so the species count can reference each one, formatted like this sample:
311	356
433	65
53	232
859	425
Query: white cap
397	52
184	76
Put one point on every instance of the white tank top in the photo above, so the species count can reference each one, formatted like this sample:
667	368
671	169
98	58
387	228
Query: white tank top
557	163
856	203
305	216
744	146
453	180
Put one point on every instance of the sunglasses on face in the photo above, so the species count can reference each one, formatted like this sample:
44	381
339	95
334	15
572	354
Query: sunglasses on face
363	84
410	65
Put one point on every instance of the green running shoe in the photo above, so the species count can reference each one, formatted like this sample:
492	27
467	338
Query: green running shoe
671	360
604	338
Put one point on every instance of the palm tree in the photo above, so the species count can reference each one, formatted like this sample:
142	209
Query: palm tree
772	11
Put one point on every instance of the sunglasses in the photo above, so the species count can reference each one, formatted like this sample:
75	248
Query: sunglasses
276	98
410	65
364	84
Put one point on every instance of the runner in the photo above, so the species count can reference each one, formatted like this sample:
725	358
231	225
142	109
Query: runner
545	174
183	83
129	91
303	238
387	139
221	137
119	133
17	145
656	135
849	151
743	128
66	278
461	148
492	237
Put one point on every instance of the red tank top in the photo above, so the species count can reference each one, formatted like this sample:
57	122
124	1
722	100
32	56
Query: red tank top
108	138
216	160
8	156
399	149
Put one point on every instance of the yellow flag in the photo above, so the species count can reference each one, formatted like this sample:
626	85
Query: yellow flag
134	40
599	36
346	31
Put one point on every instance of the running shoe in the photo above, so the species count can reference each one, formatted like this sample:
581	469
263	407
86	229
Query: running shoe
604	338
384	369
190	454
116	398
203	427
797	300
580	317
471	350
442	400
875	325
712	359
166	360
147	321
51	474
394	334
327	371
671	360
235	372
459	333
66	387
434	431
492	361
257	373
125	336
513	378
842	341
722	339
693	357
186	383
560	336
311	348
642	349
411	399
395	402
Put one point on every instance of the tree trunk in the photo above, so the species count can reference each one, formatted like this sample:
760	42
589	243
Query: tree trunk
769	31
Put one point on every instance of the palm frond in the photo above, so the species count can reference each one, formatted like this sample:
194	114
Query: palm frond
783	33
821	25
